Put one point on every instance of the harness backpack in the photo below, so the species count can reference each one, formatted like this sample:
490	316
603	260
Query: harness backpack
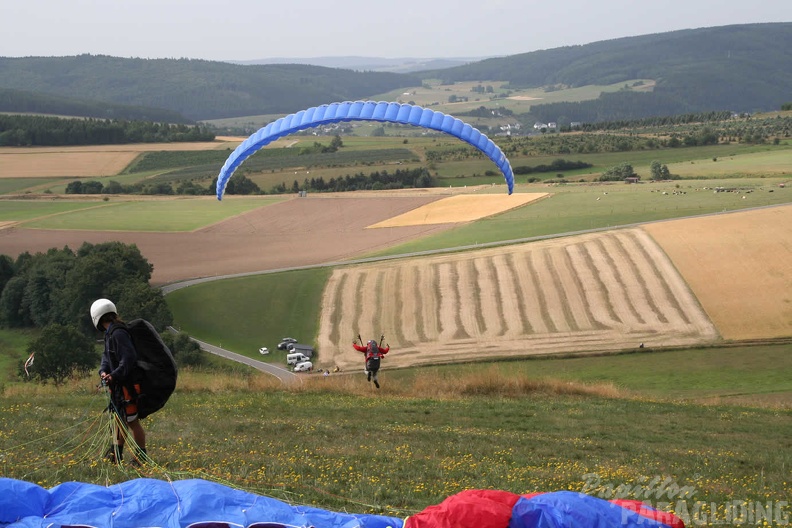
155	369
373	356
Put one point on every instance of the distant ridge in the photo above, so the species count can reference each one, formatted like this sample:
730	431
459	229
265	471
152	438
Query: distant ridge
378	64
742	68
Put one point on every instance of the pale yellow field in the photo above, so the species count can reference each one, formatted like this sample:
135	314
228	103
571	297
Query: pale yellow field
460	208
55	164
739	266
86	161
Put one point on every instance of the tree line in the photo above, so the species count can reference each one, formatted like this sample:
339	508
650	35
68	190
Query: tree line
375	181
240	184
33	130
556	165
53	291
26	102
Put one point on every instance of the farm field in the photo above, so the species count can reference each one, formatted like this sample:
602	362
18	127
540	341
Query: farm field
609	291
294	232
436	96
739	266
85	161
158	214
593	205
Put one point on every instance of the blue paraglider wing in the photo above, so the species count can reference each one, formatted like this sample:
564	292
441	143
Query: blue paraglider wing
197	503
405	114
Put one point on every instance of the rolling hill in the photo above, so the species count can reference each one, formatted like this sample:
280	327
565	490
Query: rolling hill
742	68
197	89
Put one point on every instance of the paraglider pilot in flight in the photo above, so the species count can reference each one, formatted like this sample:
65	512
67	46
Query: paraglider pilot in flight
373	353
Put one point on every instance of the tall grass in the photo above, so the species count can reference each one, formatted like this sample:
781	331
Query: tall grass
337	443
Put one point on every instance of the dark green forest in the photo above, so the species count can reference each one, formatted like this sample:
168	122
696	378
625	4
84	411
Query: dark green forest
25	102
52	292
36	130
197	89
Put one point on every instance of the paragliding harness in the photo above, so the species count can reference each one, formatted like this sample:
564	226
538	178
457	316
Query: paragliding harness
155	371
373	354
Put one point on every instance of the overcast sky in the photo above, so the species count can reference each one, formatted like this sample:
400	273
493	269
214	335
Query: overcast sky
257	29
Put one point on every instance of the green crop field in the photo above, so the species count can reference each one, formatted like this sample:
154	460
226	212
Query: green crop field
247	313
183	214
436	96
18	185
576	207
24	210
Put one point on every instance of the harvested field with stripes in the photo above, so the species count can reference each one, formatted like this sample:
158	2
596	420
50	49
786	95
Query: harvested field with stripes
597	292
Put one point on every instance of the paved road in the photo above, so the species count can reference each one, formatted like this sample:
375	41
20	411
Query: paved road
286	376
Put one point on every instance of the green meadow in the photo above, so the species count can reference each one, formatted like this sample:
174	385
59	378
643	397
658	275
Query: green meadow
28	210
247	313
578	207
332	443
120	214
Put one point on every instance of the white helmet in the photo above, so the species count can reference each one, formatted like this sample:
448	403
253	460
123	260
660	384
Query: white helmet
99	308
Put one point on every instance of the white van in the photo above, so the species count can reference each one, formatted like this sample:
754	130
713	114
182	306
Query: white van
295	357
303	366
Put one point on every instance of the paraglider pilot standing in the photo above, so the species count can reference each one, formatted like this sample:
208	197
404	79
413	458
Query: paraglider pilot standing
117	372
374	353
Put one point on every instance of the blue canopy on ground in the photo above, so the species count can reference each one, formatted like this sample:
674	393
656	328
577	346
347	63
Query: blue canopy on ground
150	502
198	503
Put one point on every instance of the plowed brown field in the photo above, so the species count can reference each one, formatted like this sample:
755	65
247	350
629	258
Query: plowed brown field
296	232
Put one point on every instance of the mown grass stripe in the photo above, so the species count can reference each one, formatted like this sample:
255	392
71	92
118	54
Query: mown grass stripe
558	285
337	309
591	267
614	271
496	293
460	332
539	288
671	299
527	328
578	284
477	293
629	258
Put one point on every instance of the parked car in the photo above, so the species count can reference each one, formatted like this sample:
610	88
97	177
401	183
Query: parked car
263	350
297	347
284	344
305	366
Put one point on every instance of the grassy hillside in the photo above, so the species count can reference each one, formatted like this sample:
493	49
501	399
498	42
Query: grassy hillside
739	68
330	444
